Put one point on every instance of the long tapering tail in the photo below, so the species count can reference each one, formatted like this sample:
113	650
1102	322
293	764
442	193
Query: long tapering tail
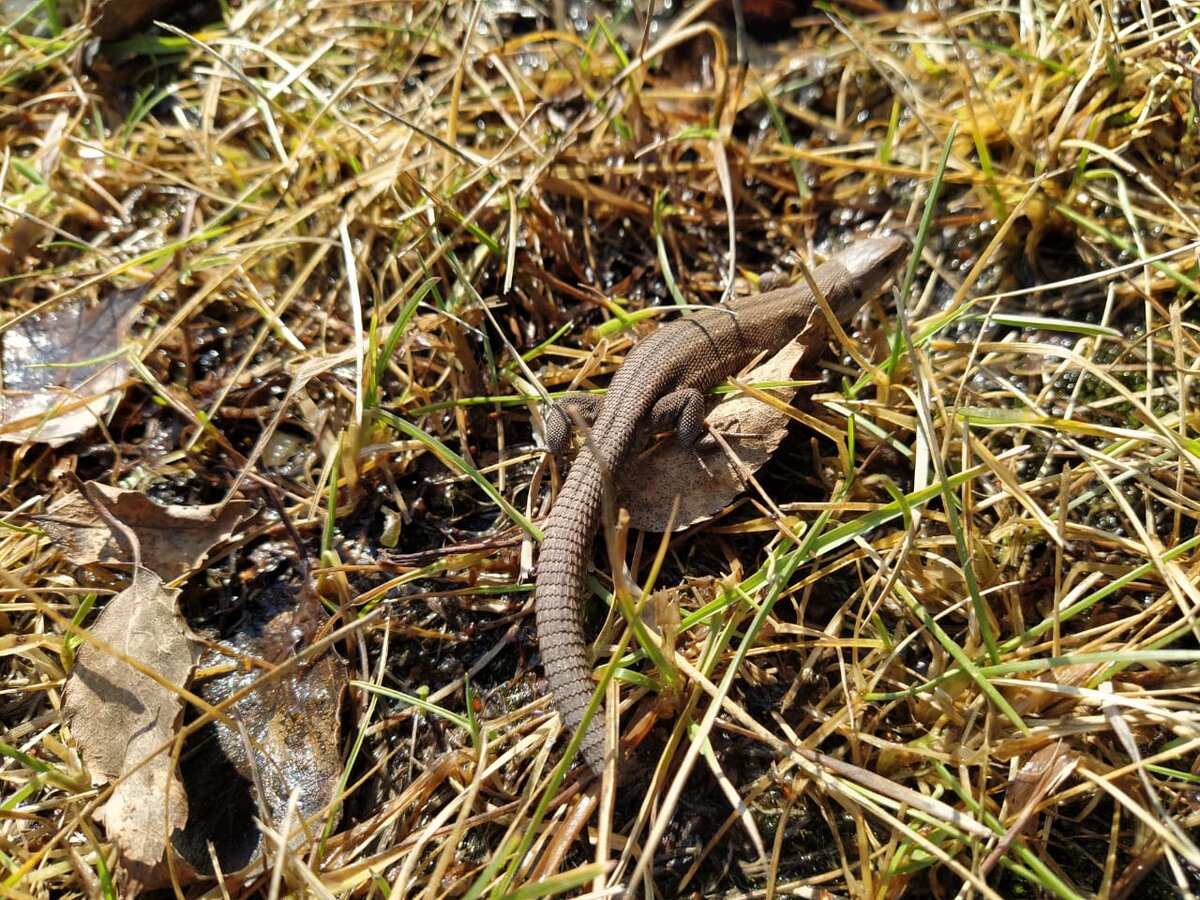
558	602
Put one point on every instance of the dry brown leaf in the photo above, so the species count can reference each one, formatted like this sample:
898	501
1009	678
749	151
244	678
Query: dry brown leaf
112	19
703	476
121	718
292	738
61	370
174	540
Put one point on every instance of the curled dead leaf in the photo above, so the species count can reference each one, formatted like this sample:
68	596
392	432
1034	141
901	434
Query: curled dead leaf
174	540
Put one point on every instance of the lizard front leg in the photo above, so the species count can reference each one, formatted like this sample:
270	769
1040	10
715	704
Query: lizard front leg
680	411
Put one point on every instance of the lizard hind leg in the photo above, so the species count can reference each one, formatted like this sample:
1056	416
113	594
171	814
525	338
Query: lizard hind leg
682	412
560	419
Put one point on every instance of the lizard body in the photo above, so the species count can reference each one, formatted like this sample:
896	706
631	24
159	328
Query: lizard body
659	385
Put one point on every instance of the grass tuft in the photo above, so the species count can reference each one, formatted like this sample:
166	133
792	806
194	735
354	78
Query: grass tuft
952	654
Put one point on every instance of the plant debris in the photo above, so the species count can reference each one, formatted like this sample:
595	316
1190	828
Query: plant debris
945	646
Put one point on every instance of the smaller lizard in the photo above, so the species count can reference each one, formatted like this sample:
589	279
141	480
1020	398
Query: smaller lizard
658	388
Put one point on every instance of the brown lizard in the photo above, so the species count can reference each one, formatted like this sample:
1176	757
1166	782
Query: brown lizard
658	388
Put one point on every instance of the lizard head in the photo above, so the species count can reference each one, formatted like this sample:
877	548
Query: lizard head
871	264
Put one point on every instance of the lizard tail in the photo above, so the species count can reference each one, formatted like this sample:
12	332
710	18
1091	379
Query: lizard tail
558	602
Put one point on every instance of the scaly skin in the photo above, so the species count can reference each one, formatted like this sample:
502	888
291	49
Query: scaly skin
659	381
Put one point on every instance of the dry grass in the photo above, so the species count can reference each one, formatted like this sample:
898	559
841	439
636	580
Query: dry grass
388	229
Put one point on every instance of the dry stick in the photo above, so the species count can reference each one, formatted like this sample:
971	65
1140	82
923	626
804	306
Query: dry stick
565	835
